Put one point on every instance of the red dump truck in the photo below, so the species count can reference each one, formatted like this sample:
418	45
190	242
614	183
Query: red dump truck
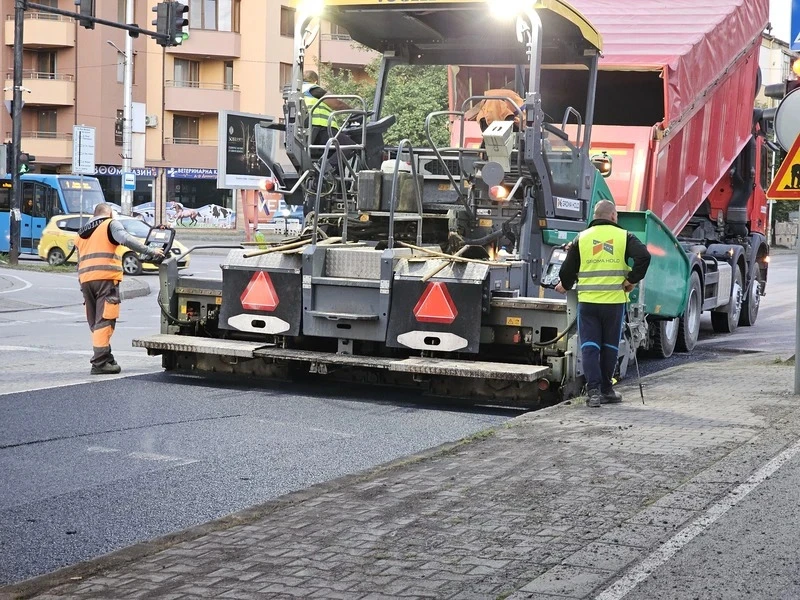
674	112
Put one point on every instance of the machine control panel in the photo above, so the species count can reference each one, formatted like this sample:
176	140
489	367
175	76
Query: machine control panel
159	238
551	273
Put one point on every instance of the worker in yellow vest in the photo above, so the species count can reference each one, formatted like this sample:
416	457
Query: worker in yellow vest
312	93
100	273
598	261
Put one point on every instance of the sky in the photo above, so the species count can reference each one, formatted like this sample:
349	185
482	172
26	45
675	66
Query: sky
780	12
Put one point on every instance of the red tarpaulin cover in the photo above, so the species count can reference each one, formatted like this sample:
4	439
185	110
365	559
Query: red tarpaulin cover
692	41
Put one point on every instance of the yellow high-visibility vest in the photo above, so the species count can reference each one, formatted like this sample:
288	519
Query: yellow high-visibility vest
603	267
319	118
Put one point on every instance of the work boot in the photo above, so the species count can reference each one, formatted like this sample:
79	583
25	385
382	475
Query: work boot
611	397
106	369
595	399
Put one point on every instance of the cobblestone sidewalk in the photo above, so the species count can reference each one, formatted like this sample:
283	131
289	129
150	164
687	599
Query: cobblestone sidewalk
553	505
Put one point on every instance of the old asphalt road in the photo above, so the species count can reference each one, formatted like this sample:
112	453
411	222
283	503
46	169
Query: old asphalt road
569	502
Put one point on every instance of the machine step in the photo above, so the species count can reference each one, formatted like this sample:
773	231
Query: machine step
416	365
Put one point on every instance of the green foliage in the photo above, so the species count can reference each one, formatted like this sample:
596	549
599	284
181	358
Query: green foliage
412	92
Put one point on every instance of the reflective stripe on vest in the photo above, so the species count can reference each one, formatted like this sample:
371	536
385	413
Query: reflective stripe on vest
603	268
97	256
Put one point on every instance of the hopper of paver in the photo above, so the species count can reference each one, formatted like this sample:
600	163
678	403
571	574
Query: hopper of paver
663	291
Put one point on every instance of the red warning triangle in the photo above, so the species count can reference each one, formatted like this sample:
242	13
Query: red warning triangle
260	294
436	305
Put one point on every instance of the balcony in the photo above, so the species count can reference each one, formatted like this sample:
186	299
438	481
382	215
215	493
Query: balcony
200	98
190	152
43	30
46	89
339	49
209	44
47	146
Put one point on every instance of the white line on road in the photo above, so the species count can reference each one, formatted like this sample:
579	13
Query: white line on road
622	587
26	285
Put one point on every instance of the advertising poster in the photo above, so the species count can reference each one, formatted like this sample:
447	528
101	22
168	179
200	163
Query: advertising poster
245	148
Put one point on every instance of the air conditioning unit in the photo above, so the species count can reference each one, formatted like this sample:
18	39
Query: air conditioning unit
151	121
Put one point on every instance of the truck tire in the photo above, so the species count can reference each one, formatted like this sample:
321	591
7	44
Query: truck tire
728	321
753	301
689	328
665	336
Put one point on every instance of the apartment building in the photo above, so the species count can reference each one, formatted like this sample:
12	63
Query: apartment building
238	57
75	76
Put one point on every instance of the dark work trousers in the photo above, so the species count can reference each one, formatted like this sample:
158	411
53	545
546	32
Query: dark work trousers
101	299
600	330
319	136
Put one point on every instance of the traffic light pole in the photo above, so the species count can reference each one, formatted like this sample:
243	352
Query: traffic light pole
16	135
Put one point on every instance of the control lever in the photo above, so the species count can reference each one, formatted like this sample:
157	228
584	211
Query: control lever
552	271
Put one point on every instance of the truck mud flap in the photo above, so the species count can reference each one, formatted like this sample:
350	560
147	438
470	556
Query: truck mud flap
442	314
262	294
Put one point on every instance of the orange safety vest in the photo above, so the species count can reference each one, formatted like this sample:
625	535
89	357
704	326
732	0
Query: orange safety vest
97	256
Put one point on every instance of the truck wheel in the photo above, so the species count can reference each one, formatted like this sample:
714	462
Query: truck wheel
689	327
728	321
753	301
665	336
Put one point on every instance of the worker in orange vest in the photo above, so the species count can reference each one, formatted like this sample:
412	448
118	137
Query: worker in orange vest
100	273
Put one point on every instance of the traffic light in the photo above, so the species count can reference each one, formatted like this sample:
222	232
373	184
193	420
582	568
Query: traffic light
25	162
177	21
162	22
86	9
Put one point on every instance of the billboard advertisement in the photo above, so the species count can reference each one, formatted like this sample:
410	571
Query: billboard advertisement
245	149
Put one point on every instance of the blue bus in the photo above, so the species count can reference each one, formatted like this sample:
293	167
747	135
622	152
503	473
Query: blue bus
43	197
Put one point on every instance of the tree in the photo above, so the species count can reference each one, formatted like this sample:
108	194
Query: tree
412	93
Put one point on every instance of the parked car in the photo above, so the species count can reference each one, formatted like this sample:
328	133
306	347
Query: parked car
58	239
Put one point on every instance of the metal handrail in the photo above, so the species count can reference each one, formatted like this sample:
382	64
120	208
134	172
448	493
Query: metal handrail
43	75
395	183
189	141
202	85
49	135
42	16
320	180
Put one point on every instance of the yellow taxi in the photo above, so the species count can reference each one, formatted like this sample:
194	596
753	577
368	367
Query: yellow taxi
58	239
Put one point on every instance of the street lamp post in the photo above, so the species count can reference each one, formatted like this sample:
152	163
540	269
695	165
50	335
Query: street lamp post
127	146
16	135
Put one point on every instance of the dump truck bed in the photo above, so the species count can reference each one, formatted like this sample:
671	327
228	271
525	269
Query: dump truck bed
705	56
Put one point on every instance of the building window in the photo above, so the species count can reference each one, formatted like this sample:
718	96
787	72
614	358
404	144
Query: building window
287	21
338	32
285	75
45	65
46	123
185	130
236	17
186	73
228	74
203	14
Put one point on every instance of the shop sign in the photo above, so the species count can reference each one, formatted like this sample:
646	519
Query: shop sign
191	173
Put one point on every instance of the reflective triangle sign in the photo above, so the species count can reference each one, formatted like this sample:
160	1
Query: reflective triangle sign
436	305
260	294
786	185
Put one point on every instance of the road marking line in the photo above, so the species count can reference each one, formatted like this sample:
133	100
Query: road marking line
25	287
622	587
162	458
